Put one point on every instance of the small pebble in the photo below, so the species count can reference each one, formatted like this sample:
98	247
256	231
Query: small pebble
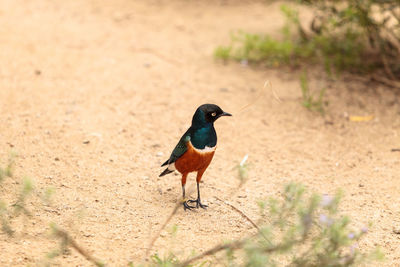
160	154
86	142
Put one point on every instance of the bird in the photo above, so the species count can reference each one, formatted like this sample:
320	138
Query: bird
195	149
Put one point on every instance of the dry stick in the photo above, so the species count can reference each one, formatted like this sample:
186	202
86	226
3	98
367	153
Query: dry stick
162	227
246	217
267	83
178	204
237	245
234	245
392	38
161	56
387	67
386	81
69	241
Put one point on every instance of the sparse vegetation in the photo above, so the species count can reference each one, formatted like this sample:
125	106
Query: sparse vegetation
299	230
357	36
9	212
310	101
18	208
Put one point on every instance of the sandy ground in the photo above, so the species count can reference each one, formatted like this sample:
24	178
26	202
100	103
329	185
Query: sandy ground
95	94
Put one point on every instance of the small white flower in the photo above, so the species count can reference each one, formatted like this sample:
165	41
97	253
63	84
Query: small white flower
351	235
325	220
244	160
326	200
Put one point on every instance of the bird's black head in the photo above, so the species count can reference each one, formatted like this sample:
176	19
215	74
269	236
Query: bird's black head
208	113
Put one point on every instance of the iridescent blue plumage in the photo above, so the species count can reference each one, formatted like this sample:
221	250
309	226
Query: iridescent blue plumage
201	133
191	154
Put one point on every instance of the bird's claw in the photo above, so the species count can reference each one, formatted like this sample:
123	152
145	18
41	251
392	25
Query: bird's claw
187	206
198	203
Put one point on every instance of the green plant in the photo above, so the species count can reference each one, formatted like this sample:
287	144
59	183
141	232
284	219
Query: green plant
21	208
222	52
7	213
299	230
256	49
369	29
168	261
310	101
345	36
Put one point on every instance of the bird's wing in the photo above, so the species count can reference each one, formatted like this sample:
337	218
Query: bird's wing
179	149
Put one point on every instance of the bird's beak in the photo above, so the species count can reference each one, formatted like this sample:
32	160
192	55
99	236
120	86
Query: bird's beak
225	114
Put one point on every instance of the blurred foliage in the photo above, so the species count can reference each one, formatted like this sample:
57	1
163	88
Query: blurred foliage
22	201
305	230
10	212
359	36
310	101
297	230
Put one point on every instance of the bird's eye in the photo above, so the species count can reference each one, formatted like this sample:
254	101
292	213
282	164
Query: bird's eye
214	114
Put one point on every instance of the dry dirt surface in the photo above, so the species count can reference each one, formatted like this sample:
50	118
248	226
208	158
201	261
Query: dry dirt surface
95	94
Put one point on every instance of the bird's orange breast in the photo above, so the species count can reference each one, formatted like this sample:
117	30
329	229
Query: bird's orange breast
194	159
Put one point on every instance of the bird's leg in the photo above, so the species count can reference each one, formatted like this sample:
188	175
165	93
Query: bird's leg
184	201
198	201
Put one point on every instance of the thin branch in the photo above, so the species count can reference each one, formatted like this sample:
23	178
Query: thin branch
246	217
159	55
177	206
234	245
238	244
386	81
71	242
386	67
392	38
397	17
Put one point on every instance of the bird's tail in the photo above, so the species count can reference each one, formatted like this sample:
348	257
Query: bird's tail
166	171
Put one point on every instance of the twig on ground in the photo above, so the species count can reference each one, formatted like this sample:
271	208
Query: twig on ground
68	240
238	244
160	56
386	81
246	217
234	245
386	67
177	206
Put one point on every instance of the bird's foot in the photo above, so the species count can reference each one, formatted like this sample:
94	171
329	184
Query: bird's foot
198	203
186	206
